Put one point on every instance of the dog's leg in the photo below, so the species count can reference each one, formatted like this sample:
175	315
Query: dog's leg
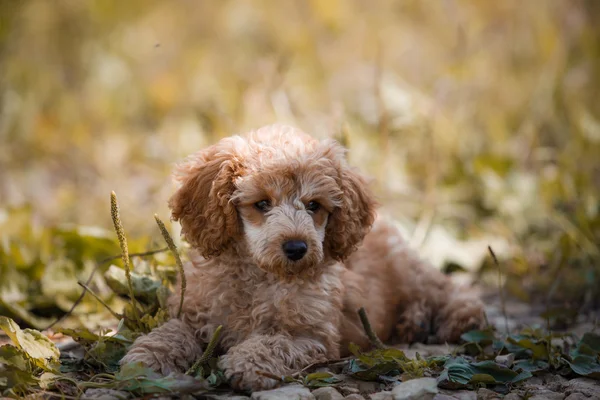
168	348
431	307
278	355
462	312
414	323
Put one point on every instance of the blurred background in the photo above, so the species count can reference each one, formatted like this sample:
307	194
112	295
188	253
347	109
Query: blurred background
479	121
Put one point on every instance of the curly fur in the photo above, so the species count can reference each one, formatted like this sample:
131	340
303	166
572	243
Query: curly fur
280	315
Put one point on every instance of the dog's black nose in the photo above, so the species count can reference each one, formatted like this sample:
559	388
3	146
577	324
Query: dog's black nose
295	249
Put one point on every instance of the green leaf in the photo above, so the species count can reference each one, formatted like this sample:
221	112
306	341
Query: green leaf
531	366
13	378
481	337
320	379
482	378
37	346
459	373
137	378
14	357
317	376
585	366
588	345
539	349
80	335
144	287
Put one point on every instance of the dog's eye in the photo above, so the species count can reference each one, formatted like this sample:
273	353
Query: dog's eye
313	206
263	205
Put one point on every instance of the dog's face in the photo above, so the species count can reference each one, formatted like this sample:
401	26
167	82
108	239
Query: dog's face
290	202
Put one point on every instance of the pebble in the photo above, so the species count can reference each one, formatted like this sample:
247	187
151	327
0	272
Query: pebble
354	397
382	396
487	394
291	392
422	388
327	393
105	394
545	394
577	396
586	386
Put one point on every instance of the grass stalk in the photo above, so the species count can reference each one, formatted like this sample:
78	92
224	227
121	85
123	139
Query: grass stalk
173	248
375	341
208	352
115	314
114	212
500	289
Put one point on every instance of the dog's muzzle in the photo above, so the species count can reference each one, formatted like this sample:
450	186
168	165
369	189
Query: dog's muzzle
295	249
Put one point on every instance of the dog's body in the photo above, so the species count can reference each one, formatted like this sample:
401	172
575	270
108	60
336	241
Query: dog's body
276	220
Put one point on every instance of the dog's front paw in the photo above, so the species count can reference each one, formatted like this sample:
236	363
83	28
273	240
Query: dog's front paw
460	315
242	373
148	359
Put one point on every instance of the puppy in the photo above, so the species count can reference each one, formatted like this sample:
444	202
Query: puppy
285	249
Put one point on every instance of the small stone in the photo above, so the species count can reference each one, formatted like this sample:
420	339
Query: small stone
443	397
291	392
348	390
354	397
507	360
544	394
577	396
422	388
229	396
465	395
327	393
459	394
105	394
513	396
586	386
556	383
382	396
487	394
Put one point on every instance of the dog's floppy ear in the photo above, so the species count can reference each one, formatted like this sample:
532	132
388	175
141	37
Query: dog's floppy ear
351	221
202	204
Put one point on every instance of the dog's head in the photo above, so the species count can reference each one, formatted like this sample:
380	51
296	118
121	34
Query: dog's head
282	198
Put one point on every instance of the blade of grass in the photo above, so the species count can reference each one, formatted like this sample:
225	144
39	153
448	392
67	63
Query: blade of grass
208	352
500	289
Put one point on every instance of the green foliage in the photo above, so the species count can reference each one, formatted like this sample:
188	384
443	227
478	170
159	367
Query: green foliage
459	373
144	287
534	351
140	380
30	354
380	363
586	356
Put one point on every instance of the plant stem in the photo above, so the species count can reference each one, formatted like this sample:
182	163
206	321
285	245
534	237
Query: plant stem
375	341
208	352
173	248
116	315
500	288
114	212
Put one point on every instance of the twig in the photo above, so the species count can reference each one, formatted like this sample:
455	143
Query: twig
319	365
282	379
143	254
173	248
116	315
89	280
114	212
208	353
375	341
500	288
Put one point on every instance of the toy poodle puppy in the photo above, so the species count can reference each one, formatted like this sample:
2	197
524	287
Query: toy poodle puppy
285	249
